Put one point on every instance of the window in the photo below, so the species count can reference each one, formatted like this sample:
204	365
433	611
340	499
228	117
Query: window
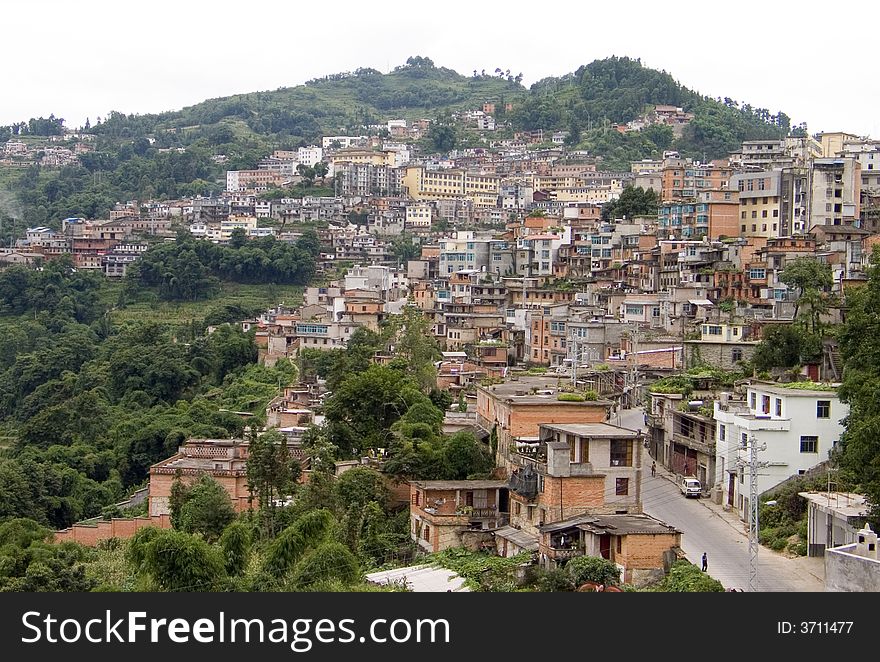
722	432
621	486
823	409
713	330
765	404
619	543
737	355
779	406
757	274
427	533
744	440
809	444
517	507
416	498
469	498
753	401
621	453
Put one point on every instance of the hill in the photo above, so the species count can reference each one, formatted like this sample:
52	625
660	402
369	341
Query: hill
139	156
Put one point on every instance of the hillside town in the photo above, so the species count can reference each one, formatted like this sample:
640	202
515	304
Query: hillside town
593	326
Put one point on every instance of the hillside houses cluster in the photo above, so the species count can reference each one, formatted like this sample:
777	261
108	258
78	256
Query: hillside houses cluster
550	317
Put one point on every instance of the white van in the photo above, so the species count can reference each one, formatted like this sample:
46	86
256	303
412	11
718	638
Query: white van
691	487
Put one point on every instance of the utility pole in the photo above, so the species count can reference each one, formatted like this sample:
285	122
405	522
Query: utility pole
753	464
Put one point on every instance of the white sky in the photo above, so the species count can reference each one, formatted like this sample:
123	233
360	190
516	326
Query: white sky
82	59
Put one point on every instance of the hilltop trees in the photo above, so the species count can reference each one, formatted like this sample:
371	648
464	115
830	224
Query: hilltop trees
632	203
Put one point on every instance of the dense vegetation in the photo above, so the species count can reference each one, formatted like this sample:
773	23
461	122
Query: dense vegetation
189	269
89	405
617	90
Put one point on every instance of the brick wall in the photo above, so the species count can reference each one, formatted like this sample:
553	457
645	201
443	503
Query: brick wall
160	490
91	534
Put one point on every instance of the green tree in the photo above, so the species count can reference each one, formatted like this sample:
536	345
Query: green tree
633	202
786	346
178	561
811	279
236	546
859	338
359	486
329	560
463	455
206	509
271	474
289	547
441	137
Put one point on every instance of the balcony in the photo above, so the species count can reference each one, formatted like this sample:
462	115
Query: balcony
564	553
699	445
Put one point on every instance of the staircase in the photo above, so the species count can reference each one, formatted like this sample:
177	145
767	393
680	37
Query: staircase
835	363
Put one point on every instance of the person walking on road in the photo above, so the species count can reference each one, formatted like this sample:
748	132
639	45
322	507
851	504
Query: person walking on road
653	469
705	562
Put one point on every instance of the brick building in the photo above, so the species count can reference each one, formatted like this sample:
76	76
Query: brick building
441	510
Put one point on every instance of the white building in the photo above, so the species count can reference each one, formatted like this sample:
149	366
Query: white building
343	141
309	156
232	184
794	429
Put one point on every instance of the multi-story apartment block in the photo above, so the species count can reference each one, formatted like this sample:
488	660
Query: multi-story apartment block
794	428
421	183
760	203
835	192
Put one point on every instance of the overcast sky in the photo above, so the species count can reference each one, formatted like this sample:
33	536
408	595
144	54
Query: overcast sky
82	59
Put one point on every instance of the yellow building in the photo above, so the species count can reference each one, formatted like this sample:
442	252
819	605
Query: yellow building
759	203
423	184
369	156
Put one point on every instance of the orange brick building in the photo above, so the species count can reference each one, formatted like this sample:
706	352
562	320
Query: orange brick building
518	407
639	545
440	510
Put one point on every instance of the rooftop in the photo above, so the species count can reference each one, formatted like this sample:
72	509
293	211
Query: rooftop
842	503
518	389
518	538
422	579
795	388
623	525
459	484
603	430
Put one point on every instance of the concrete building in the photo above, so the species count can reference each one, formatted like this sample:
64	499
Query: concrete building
835	192
855	567
833	519
759	203
795	427
442	510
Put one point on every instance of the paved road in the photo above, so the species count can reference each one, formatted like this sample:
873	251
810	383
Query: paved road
717	534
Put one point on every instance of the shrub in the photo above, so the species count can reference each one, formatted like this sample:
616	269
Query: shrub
685	577
552	581
236	545
592	569
570	397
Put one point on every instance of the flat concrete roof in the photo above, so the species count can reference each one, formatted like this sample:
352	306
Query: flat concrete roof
459	484
781	390
524	384
592	430
842	503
